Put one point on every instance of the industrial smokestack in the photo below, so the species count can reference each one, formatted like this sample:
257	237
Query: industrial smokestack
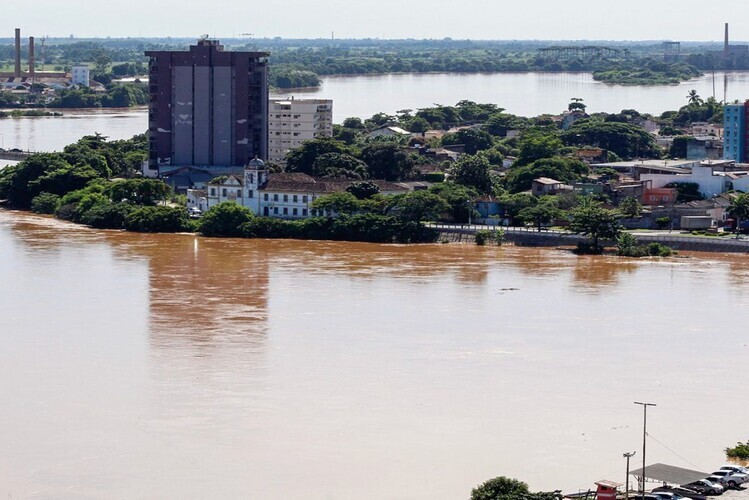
725	43
31	58
17	71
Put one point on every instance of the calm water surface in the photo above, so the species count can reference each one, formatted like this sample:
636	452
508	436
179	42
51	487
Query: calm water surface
172	366
527	94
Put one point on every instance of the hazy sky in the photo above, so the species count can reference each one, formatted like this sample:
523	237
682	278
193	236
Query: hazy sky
475	19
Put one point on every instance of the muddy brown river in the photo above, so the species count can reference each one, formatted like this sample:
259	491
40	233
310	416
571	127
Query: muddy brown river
174	366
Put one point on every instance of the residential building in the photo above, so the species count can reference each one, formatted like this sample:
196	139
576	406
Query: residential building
80	75
735	131
282	195
208	110
293	121
711	182
659	196
545	185
704	147
389	131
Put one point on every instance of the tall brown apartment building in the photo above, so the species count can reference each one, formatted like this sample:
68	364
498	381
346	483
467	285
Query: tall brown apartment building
208	110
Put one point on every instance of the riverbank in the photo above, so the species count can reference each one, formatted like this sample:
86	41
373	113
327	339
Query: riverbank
554	238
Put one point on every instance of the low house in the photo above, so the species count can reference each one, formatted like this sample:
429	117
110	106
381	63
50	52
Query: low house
704	147
545	185
197	199
389	131
489	211
592	155
659	196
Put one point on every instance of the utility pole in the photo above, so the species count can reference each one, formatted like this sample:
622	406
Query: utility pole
644	435
626	479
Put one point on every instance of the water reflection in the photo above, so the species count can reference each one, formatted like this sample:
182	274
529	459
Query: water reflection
591	273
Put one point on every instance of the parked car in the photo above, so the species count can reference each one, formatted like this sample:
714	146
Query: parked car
684	492
667	495
705	487
721	480
730	478
736	468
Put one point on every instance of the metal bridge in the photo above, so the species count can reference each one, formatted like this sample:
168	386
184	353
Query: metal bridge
566	52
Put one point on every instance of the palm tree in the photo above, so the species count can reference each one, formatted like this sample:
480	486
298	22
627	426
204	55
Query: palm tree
739	209
693	97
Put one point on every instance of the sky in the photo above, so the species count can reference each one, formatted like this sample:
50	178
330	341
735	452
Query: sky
681	20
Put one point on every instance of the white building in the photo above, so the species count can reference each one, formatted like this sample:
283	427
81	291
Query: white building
80	75
282	195
711	183
293	121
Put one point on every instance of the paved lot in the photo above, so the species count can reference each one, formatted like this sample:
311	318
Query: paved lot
742	494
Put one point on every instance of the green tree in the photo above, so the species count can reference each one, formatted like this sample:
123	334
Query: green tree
45	203
739	209
387	161
498	124
161	219
363	190
339	165
473	171
627	141
107	215
224	219
693	97
354	123
302	159
542	213
558	168
336	204
595	222
536	145
630	207
500	488
417	206
459	198
473	140
140	191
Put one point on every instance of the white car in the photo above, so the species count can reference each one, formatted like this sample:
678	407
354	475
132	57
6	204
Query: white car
735	468
730	478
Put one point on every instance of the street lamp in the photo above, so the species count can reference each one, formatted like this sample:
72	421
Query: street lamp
626	479
644	434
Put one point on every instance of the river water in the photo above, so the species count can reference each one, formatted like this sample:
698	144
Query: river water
173	366
527	94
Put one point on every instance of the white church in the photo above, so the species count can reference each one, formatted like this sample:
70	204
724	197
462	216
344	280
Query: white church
282	195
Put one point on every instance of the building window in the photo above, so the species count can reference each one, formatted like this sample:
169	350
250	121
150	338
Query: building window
286	198
213	191
223	192
250	193
239	193
265	196
285	211
275	197
294	212
275	210
304	199
296	198
304	212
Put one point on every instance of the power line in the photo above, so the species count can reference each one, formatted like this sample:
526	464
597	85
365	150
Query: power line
672	451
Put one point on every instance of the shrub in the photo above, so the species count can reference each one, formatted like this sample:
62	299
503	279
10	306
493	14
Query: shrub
585	248
627	247
45	203
107	215
159	219
740	451
663	222
225	219
482	236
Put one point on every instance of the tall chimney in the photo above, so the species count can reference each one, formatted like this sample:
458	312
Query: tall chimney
31	58
725	43
17	72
